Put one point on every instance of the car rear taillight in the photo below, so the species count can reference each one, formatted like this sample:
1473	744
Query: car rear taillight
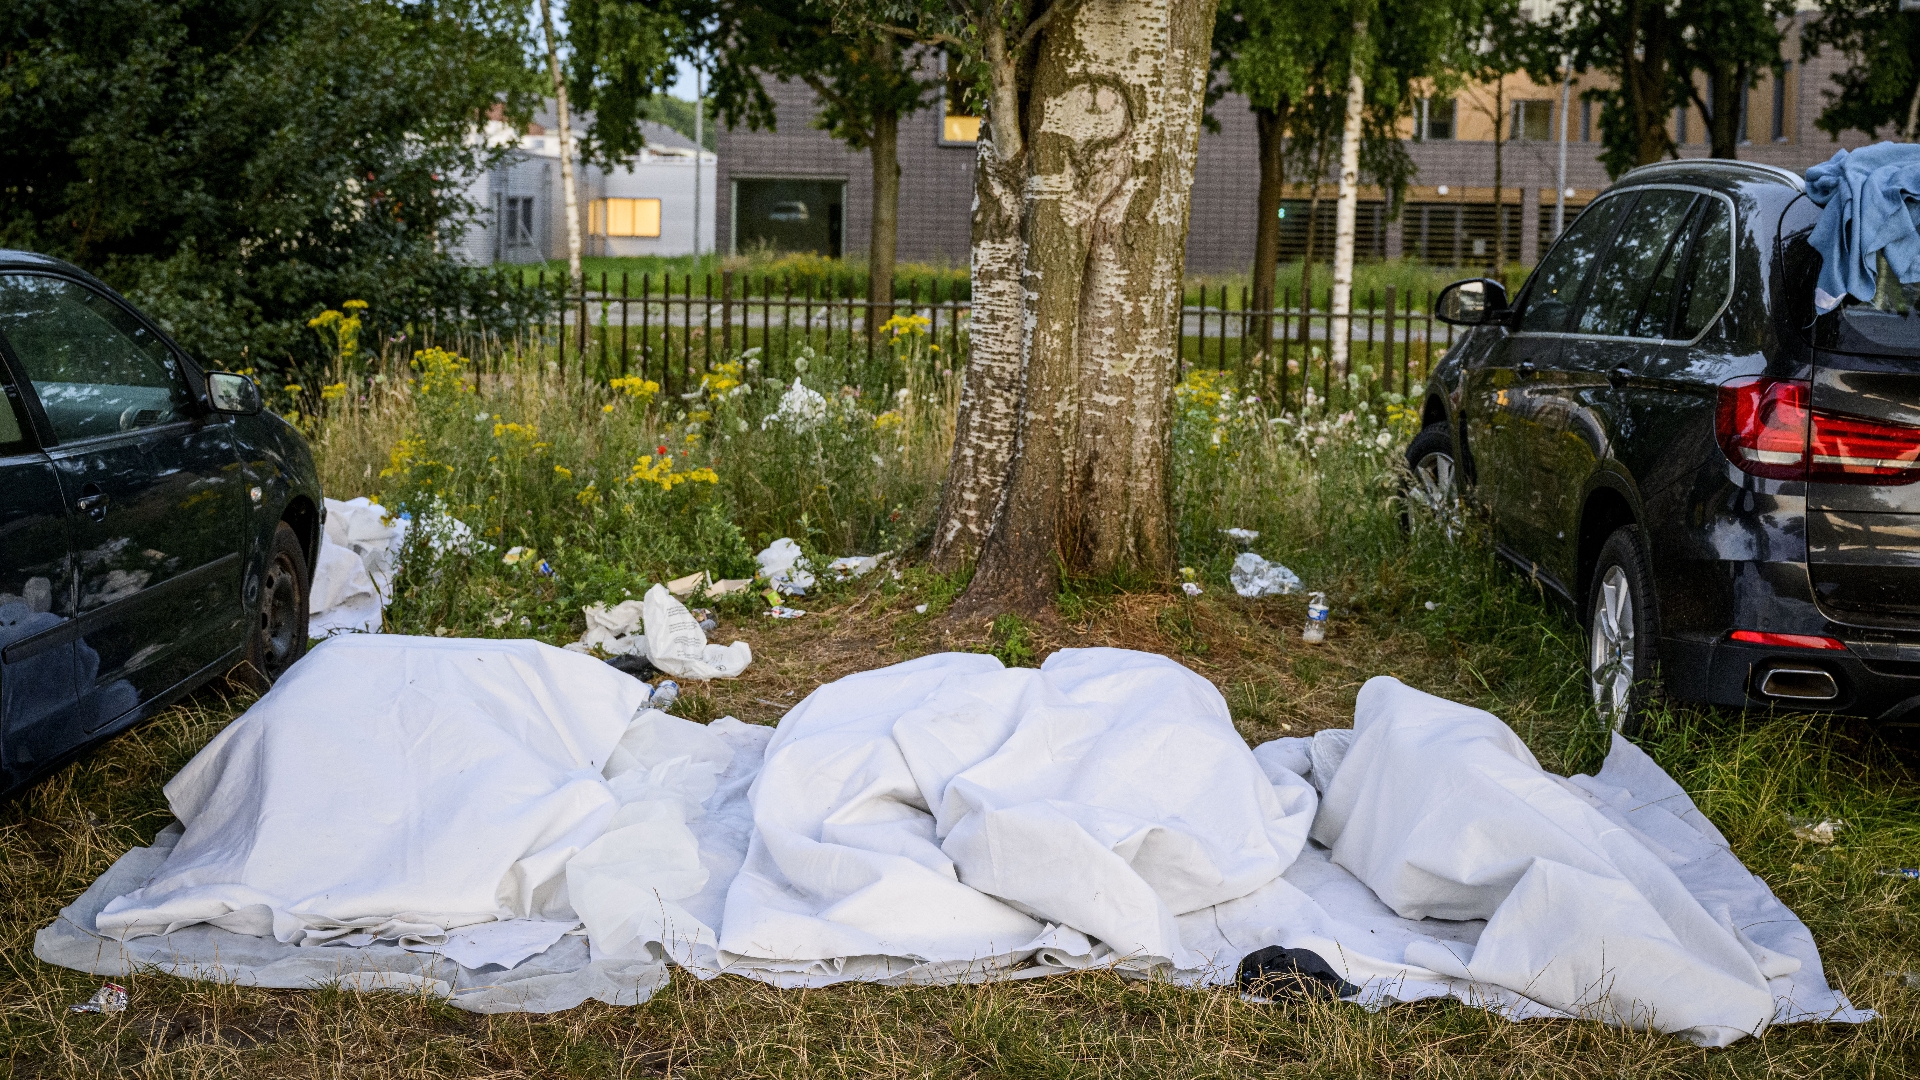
1790	641
1766	427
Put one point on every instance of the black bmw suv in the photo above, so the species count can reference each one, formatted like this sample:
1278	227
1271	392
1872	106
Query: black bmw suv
156	527
1725	486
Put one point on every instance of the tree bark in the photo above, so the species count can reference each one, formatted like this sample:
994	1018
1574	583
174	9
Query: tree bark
1111	129
1646	79
1347	206
884	150
1271	125
569	196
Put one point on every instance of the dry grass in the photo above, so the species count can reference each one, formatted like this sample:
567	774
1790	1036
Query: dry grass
53	842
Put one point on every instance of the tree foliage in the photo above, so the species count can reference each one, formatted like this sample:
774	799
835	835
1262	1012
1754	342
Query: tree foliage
237	165
620	55
1881	84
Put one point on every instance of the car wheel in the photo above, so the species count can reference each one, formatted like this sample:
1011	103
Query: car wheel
279	632
1622	626
1431	490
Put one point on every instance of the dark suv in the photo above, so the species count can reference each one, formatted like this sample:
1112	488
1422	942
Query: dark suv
1726	487
156	527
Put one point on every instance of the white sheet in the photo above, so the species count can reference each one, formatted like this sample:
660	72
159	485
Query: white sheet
950	819
353	571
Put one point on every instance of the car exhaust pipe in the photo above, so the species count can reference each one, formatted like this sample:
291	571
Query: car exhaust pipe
1798	684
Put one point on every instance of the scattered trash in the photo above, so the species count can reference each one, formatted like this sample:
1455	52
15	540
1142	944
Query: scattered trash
353	571
1908	872
1243	537
665	693
729	586
1191	588
920	609
545	568
1431	606
111	998
516	555
637	666
677	645
704	616
615	629
1816	832
1316	629
771	596
780	612
785	568
1254	576
853	566
687	586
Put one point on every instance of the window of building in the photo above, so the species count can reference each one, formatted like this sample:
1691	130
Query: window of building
788	215
518	220
958	124
1533	121
1746	95
1680	124
959	129
1586	121
624	217
1436	118
1780	103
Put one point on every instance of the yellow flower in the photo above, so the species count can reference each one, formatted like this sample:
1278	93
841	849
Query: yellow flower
355	305
588	496
293	388
651	470
892	418
563	471
334	392
634	387
607	408
906	324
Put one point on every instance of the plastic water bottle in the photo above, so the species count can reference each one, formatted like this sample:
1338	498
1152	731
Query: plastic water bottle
1316	629
665	693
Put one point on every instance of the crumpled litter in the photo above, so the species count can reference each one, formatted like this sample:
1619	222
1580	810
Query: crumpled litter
1242	536
785	568
677	645
853	566
1255	576
1910	872
1191	588
1815	832
729	586
353	570
613	630
110	998
780	611
684	587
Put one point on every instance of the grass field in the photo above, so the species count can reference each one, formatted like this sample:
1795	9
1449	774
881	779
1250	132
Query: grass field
1443	616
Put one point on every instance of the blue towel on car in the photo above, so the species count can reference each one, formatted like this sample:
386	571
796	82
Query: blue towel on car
1870	200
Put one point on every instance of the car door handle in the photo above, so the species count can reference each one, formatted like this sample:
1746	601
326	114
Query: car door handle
1619	376
93	502
1526	369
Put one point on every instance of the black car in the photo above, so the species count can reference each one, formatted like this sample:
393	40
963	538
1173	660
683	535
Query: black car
1726	487
156	527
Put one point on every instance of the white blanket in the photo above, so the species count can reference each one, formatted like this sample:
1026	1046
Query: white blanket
950	819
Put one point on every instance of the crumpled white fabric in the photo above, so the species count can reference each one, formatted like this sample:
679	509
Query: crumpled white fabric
1254	576
393	788
614	630
676	644
353	571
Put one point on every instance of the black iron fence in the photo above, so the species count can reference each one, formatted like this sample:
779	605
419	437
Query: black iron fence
675	329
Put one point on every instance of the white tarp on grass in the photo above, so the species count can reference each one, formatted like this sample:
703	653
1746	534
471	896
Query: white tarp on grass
950	819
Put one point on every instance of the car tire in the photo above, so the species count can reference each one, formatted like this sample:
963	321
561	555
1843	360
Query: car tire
1430	491
278	634
1622	628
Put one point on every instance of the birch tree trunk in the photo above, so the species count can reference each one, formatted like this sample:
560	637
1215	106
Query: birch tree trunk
568	196
1347	207
1103	173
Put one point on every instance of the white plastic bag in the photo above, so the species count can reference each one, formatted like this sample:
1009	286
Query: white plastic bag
677	645
786	570
614	630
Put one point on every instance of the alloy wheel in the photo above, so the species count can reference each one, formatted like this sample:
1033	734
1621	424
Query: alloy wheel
1436	491
1610	642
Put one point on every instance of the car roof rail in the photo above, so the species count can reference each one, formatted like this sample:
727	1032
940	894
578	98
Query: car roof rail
1772	172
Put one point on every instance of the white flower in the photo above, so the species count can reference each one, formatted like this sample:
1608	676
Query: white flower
1190	588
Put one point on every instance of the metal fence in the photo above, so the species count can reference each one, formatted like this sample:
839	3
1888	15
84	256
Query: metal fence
674	329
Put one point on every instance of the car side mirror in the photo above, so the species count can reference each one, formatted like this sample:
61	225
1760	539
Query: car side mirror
230	393
1474	302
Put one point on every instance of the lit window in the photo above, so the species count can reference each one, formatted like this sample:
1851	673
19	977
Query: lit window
624	217
960	129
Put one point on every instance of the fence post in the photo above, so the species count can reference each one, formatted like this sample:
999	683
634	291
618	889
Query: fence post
603	318
625	316
583	330
726	314
1286	345
646	323
1386	360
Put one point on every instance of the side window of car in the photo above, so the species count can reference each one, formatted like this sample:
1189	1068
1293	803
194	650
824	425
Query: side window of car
1709	273
1555	287
1624	280
96	369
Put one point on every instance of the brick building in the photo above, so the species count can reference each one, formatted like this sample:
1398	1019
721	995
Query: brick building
796	188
